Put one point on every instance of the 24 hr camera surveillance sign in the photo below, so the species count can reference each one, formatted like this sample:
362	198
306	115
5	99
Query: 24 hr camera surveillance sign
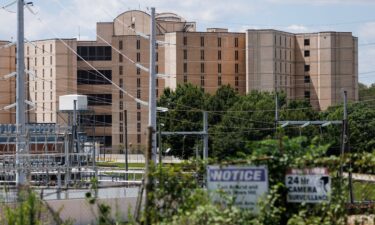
308	185
246	184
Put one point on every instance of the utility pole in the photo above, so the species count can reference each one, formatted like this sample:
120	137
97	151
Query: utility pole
205	135
346	146
344	134
276	110
148	179
160	146
152	94
74	132
126	143
21	146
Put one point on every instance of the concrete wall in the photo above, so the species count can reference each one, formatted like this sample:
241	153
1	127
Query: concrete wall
84	213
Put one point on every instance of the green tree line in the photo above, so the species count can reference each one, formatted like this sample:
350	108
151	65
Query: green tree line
235	121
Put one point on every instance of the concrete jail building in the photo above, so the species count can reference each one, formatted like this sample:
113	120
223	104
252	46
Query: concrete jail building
312	66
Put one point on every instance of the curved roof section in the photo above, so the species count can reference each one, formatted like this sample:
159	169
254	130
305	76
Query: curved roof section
168	16
136	21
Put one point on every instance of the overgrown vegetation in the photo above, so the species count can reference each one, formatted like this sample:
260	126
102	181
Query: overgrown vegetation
180	198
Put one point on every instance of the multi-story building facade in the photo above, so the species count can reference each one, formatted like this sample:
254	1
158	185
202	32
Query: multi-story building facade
312	66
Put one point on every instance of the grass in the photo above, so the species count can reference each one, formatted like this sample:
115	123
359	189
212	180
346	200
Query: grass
363	191
121	165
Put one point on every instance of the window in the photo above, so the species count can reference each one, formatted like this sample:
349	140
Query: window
202	81
121	70
307	68
236	55
138	105
43	61
157	56
99	99
202	41
219	80
202	67
43	49
236	81
121	136
185	67
121	82
138	116
306	42
50	48
185	78
236	68
36	49
96	120
120	46
185	41
157	82
138	57
157	69
94	53
121	106
121	115
133	23
219	42
138	82
121	94
307	79
202	54
35	61
138	44
307	94
138	71
139	138
219	68
93	77
185	54
219	55
236	42
138	127
120	58
307	53
50	60
138	93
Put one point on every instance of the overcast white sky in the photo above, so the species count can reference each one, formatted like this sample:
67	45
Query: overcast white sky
355	16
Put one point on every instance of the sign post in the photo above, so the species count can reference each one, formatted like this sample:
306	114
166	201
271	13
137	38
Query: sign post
246	183
308	185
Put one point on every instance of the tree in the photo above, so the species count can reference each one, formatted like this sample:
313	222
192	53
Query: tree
224	98
185	106
361	127
250	118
